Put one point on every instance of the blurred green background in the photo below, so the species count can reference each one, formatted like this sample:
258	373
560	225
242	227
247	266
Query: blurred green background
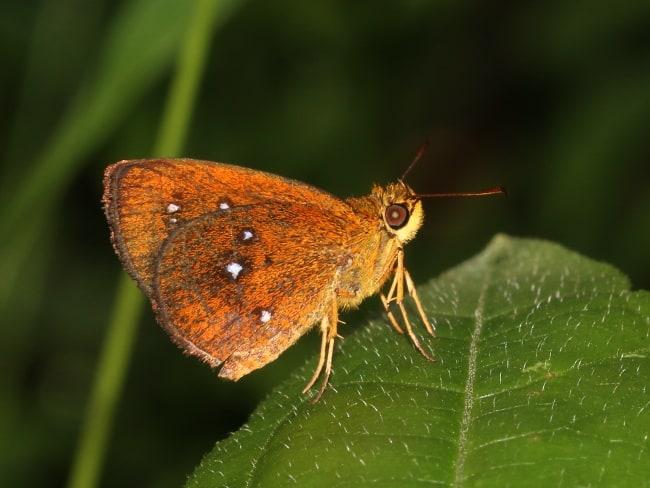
550	99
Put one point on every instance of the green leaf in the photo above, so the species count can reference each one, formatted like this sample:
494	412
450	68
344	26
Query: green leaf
541	380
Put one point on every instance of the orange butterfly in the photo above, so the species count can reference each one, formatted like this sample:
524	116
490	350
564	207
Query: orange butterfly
238	264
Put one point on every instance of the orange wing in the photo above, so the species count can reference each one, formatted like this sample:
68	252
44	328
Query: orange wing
240	286
237	263
145	200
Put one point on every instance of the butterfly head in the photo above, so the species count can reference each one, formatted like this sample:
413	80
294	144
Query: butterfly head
401	210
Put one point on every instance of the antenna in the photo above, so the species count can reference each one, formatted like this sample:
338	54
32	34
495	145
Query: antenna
495	190
425	145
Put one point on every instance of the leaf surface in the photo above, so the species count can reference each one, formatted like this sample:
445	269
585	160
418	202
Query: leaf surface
541	379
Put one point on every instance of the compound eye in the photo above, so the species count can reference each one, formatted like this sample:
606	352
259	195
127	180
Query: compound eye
396	216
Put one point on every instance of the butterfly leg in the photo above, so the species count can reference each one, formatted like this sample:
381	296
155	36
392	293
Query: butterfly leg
386	299
410	286
328	335
396	293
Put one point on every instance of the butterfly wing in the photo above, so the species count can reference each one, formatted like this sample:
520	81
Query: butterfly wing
146	200
238	264
240	286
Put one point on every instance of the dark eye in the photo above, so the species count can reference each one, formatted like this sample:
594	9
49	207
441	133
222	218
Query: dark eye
396	216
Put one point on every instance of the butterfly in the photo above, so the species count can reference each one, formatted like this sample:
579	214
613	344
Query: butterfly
238	263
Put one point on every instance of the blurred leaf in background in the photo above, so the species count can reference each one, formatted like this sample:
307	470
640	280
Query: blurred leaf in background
550	100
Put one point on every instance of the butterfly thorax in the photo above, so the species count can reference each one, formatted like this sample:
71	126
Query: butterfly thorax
390	216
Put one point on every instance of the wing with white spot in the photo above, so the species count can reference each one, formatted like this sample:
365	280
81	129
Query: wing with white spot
239	286
146	200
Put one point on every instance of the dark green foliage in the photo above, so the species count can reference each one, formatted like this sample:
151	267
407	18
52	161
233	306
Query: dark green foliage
549	100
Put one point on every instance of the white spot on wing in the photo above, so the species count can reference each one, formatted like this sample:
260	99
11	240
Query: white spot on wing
172	208
234	269
265	316
246	235
224	205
